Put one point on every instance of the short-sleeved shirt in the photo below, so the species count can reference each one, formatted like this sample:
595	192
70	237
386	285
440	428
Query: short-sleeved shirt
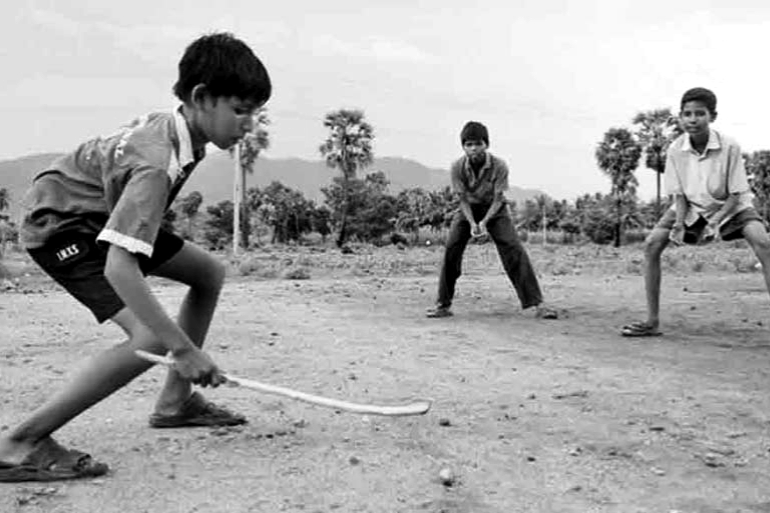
127	180
484	187
707	180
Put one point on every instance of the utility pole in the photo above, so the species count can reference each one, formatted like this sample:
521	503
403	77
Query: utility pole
237	195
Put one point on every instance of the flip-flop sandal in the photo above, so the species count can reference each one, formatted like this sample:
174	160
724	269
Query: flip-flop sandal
49	461
547	313
198	412
438	312
640	329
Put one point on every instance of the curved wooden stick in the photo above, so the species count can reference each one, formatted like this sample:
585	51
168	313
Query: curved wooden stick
419	407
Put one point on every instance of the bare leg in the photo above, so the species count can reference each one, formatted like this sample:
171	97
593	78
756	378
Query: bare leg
205	276
758	239
654	245
103	375
115	367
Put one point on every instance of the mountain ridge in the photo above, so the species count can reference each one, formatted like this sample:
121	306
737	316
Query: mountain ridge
307	176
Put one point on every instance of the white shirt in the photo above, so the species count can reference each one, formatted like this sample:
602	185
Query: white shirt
706	180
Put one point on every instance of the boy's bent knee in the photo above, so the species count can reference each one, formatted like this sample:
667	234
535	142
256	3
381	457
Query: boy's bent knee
213	279
656	242
509	242
761	246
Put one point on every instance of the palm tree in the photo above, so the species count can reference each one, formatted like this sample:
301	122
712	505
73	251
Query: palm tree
655	131
245	154
618	156
5	199
349	149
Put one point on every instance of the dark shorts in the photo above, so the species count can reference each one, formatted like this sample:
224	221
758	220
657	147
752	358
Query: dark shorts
731	230
75	260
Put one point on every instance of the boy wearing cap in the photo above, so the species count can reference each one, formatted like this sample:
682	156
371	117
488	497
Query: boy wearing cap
712	200
480	180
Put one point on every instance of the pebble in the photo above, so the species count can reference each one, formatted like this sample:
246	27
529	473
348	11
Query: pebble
447	477
713	460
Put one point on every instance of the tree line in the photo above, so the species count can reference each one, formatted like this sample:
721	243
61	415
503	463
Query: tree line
358	203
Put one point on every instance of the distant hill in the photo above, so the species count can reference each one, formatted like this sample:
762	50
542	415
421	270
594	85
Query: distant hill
213	177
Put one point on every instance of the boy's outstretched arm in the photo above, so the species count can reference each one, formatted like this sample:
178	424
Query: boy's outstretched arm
677	232
123	272
731	202
500	185
465	208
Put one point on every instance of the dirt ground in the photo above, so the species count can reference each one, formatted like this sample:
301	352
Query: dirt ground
529	415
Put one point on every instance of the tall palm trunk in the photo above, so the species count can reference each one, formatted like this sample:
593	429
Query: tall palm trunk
618	216
618	223
344	214
657	199
237	199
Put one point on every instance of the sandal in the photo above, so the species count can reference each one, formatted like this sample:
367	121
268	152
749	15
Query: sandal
544	312
198	412
640	329
49	461
439	311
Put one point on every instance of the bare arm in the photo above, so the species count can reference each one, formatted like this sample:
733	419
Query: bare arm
681	209
459	188
500	185
731	203
465	208
496	205
676	235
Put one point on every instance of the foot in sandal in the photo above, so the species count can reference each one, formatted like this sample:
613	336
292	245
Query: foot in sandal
49	461
640	329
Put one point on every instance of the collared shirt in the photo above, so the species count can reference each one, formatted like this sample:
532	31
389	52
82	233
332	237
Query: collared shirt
484	187
706	180
128	178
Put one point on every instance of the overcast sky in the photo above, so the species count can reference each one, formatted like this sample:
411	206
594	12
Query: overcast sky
548	77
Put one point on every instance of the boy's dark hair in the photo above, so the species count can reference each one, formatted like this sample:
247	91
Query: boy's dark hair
474	131
700	94
226	65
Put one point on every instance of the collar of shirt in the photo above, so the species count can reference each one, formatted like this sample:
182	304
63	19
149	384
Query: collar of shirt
186	154
714	143
469	170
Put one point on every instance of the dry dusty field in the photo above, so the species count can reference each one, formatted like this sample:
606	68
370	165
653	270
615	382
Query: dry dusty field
529	415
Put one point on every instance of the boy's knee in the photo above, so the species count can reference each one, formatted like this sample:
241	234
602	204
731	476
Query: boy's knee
218	273
508	242
212	279
761	245
655	243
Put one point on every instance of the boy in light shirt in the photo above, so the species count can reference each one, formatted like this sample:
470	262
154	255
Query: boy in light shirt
712	200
